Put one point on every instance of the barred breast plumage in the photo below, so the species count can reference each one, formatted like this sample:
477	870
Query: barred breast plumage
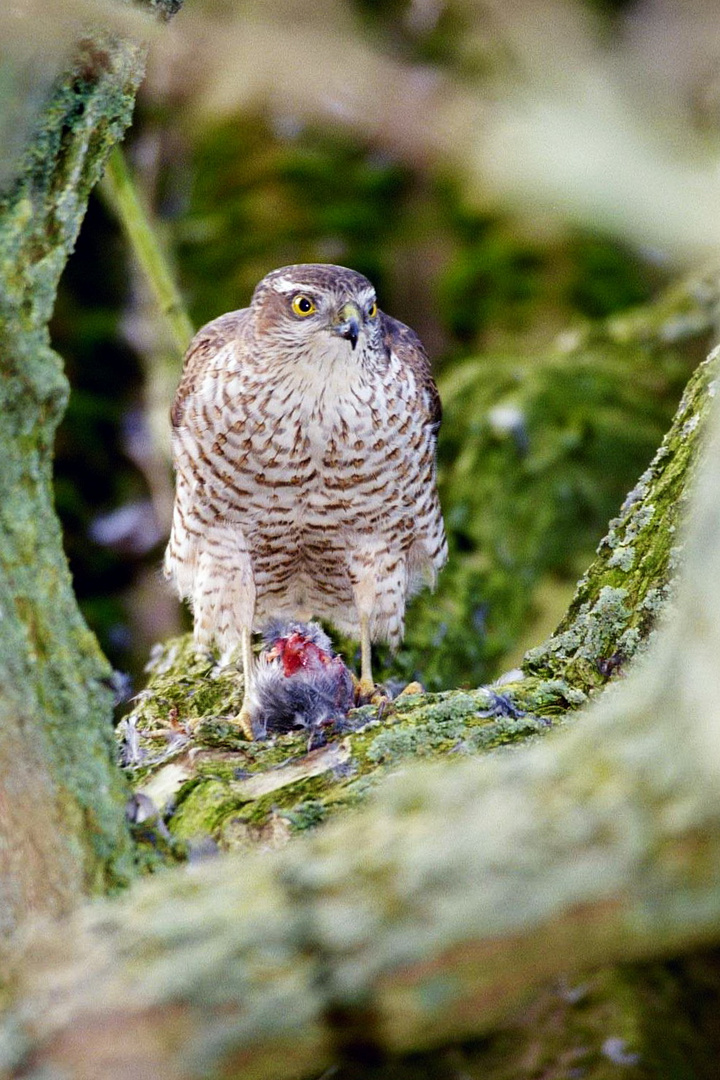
304	433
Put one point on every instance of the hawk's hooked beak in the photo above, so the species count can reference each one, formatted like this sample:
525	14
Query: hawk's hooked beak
348	323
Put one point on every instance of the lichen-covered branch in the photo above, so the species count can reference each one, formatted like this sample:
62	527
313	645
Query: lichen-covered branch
208	781
427	915
621	595
62	828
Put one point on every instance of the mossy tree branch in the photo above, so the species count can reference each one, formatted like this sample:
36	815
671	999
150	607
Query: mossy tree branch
426	916
625	589
63	827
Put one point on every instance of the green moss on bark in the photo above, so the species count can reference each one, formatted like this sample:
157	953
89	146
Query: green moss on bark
56	690
183	751
623	592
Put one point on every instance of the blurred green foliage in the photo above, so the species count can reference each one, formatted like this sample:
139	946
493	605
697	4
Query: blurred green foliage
538	445
261	199
502	280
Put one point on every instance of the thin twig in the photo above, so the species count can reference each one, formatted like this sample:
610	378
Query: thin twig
121	193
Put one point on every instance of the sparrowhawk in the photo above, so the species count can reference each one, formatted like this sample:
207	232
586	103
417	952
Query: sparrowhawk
304	437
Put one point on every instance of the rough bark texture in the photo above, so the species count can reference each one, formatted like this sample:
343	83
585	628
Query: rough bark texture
209	782
61	798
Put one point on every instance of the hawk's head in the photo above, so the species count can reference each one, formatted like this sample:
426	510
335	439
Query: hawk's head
318	308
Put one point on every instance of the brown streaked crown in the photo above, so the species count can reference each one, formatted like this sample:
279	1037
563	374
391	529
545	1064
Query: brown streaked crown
323	276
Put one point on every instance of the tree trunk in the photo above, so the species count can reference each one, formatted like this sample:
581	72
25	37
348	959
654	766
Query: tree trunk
61	797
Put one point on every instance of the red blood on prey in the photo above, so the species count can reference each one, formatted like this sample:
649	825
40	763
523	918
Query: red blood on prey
297	653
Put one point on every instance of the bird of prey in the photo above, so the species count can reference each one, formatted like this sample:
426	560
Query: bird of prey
304	437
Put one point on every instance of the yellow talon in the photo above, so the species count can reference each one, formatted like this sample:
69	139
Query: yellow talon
364	690
244	722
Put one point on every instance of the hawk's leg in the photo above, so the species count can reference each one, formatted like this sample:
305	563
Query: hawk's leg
366	686
224	603
379	585
243	719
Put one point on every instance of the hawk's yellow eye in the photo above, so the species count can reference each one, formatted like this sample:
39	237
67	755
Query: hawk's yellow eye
372	310
302	305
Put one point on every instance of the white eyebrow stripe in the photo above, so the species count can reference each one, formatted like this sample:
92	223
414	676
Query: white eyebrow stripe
285	285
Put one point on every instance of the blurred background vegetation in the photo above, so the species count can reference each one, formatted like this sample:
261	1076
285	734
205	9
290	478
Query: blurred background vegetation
515	178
